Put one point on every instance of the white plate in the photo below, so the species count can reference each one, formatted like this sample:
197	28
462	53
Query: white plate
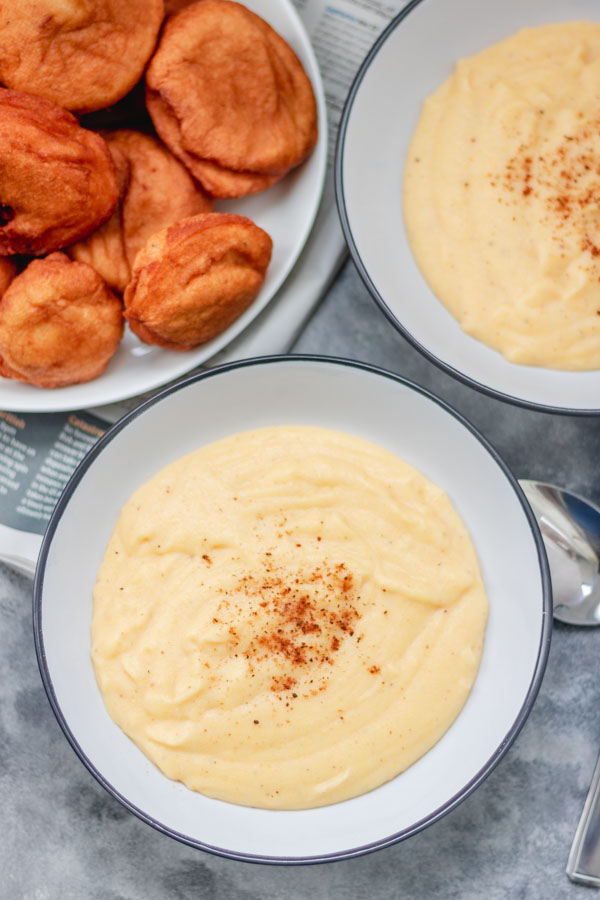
360	400
409	61
286	211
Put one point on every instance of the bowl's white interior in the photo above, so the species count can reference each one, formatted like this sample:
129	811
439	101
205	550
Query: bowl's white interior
353	399
417	56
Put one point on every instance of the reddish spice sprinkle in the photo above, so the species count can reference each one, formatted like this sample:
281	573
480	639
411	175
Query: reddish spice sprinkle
566	179
298	619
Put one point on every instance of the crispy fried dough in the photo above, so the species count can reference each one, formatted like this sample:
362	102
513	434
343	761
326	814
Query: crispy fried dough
81	55
230	98
59	323
57	180
174	6
160	193
8	270
104	248
156	191
193	279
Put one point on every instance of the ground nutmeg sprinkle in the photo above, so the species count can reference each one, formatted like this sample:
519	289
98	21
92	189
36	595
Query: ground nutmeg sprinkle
565	178
297	620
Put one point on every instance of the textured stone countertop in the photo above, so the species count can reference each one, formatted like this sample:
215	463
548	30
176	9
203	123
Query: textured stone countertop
64	837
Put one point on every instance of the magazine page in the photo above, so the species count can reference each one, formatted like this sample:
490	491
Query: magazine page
38	454
342	33
40	451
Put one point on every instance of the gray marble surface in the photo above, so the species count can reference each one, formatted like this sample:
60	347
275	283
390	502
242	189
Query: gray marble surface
64	837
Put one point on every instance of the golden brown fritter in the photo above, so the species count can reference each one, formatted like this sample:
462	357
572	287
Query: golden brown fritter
8	270
104	248
174	6
82	55
59	323
160	193
195	278
156	191
57	180
230	98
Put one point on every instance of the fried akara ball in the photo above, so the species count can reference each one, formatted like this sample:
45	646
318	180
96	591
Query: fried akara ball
104	248
230	98
174	6
155	191
82	55
8	270
57	180
195	278
59	323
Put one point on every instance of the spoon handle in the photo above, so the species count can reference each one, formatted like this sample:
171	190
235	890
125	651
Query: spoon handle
584	859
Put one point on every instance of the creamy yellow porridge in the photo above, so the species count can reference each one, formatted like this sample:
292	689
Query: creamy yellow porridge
502	195
287	618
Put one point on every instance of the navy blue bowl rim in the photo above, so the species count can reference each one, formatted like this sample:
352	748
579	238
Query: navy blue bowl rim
478	778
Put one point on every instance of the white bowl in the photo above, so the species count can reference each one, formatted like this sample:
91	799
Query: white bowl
360	400
413	56
286	211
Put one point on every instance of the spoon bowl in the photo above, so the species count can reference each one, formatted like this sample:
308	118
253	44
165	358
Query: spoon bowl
570	527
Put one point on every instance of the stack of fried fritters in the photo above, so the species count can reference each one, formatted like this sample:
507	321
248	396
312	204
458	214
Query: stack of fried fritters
228	111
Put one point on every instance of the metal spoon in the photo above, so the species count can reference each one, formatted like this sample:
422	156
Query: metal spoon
570	529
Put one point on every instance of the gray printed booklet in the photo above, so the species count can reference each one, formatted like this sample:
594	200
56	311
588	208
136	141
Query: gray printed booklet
38	454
